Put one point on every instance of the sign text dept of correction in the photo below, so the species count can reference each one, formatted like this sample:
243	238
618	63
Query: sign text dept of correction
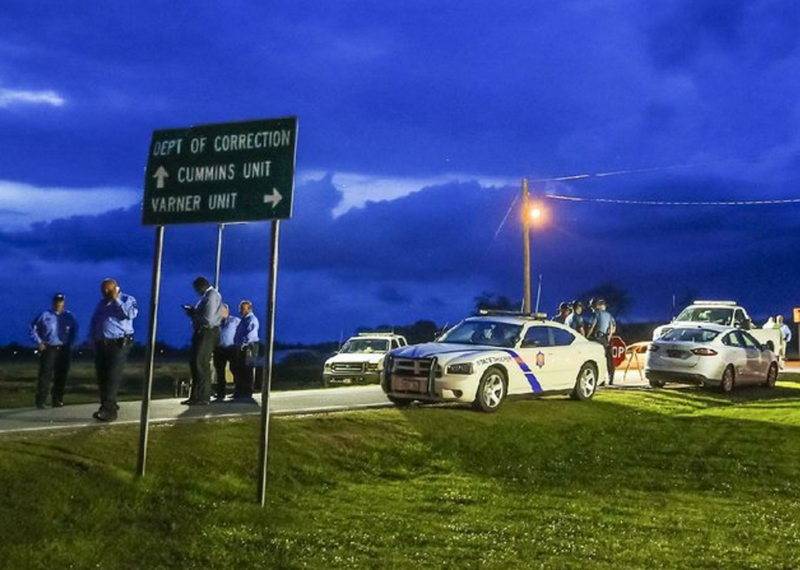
222	173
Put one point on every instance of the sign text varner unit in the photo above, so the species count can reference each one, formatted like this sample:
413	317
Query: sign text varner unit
223	173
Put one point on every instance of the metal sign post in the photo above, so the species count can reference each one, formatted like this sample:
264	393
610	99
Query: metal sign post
147	390
266	382
218	264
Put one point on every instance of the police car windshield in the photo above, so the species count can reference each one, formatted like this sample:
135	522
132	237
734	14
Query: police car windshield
717	315
485	333
691	335
365	345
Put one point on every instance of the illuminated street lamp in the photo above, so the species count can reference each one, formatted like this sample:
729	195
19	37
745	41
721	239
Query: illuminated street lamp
532	213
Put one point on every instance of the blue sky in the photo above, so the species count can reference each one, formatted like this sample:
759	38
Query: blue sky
417	122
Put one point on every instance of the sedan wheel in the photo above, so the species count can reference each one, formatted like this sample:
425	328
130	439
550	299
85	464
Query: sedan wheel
491	391
586	383
728	380
772	375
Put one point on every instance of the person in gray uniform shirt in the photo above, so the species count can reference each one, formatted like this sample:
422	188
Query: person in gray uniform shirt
206	318
53	331
601	330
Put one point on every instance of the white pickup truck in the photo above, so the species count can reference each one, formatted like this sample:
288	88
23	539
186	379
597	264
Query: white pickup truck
722	313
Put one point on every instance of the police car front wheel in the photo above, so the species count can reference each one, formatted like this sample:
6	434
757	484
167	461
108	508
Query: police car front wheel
491	390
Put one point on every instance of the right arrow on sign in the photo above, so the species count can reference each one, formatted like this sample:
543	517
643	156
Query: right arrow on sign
273	198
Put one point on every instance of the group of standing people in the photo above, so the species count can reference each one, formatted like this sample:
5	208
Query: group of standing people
596	324
218	337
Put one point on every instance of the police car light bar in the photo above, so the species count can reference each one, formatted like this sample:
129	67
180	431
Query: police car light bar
493	312
723	303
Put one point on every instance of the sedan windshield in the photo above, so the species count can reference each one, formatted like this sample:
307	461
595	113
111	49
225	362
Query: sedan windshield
717	315
691	335
365	345
489	333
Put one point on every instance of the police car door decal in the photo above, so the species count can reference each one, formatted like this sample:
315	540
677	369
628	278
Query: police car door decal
529	375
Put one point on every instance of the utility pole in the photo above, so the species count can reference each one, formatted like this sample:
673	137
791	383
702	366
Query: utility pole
526	225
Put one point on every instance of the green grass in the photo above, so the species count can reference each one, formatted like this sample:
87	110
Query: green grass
677	478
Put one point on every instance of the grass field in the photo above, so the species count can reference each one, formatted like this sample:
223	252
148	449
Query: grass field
676	478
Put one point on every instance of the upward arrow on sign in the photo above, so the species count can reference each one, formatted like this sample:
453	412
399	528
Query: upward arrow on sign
160	175
273	198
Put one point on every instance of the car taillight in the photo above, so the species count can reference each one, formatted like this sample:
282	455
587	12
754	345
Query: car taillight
653	348
704	352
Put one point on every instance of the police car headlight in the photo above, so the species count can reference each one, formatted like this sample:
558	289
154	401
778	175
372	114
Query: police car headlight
464	368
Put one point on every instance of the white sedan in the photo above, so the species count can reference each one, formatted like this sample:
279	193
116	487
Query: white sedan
710	355
484	359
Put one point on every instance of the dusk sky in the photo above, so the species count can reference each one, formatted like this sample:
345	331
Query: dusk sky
417	122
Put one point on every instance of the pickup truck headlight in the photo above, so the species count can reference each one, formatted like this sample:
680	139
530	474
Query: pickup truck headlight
327	366
464	368
374	365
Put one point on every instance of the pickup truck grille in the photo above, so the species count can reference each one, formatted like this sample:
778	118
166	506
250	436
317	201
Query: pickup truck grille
347	367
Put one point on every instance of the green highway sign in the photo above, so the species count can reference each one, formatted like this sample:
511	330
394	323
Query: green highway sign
222	173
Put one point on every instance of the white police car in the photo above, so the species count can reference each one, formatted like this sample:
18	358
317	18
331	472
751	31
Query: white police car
485	358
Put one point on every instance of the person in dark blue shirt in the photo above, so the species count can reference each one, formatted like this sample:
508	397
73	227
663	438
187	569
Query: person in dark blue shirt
53	331
225	352
246	342
206	317
112	332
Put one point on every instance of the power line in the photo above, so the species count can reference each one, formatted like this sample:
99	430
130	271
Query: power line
673	203
571	177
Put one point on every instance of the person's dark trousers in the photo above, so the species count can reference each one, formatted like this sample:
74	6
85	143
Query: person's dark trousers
109	362
203	342
244	375
223	356
54	364
606	342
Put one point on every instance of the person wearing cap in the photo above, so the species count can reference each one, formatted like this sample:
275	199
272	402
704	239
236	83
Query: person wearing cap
225	352
575	320
601	330
246	342
206	318
563	312
111	330
53	332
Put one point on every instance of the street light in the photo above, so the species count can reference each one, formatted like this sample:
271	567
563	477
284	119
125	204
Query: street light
532	213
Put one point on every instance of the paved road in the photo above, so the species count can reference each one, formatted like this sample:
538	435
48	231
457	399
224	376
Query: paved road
170	410
292	402
283	403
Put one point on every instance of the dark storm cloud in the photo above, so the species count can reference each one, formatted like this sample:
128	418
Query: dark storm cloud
765	30
391	295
